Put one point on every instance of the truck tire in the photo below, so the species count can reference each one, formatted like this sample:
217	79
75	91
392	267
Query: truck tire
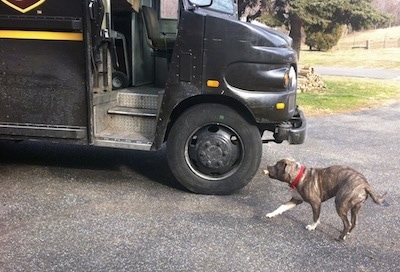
212	149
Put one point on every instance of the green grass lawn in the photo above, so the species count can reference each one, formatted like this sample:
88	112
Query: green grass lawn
349	94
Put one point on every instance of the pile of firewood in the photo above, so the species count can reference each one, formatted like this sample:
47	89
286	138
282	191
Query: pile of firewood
309	81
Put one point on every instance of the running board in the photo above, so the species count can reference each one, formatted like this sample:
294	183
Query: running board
122	143
133	111
120	139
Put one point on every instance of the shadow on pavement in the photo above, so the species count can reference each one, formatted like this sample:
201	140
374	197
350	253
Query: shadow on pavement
152	165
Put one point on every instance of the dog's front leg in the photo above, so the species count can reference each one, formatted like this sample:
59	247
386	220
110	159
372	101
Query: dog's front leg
285	207
316	208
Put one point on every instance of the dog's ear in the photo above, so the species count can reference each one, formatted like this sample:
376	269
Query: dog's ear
281	165
292	169
283	170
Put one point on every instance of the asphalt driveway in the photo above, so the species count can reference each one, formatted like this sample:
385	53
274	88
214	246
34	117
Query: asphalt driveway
72	208
359	72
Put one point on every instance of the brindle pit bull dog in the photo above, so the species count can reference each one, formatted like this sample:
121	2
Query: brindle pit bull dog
316	185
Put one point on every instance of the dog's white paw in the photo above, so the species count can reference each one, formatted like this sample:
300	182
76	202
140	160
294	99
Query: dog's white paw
265	172
312	226
270	215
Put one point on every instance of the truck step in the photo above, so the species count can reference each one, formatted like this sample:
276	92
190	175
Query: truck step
130	118
142	124
133	111
138	100
123	139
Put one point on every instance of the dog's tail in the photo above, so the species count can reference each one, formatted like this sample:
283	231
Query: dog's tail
378	199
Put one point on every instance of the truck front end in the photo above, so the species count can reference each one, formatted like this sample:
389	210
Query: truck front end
256	66
229	82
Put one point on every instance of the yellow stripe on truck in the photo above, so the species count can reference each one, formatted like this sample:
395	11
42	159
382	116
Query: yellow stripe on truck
41	35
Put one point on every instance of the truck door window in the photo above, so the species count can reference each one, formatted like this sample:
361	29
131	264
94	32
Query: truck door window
169	9
225	6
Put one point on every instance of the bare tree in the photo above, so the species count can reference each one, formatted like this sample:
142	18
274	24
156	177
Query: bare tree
390	7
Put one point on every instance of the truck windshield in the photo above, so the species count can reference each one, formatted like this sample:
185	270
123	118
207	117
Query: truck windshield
225	6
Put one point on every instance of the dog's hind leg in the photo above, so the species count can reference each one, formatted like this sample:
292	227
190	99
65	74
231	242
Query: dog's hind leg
354	215
284	207
346	225
342	210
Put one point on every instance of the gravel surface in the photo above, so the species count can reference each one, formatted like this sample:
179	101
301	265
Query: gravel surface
77	208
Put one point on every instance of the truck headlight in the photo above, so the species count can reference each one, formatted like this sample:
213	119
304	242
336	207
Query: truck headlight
290	79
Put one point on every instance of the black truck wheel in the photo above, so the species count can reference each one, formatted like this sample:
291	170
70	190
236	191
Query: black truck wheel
212	149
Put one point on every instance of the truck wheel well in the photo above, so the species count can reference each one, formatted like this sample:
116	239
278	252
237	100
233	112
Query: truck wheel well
223	100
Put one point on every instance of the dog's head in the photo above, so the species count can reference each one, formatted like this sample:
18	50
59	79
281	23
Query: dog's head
284	170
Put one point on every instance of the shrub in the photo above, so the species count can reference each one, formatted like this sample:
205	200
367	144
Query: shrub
323	40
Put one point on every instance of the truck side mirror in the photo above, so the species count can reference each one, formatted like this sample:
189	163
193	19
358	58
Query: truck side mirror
201	3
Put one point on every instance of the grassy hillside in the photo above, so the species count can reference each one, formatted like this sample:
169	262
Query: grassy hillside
344	55
388	58
379	38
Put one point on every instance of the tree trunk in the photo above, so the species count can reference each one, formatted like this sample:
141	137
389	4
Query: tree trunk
295	32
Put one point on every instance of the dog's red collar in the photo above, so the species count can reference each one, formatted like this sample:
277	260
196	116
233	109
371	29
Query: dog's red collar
298	178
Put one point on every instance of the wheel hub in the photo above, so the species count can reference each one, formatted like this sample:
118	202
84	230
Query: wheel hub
214	153
214	150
